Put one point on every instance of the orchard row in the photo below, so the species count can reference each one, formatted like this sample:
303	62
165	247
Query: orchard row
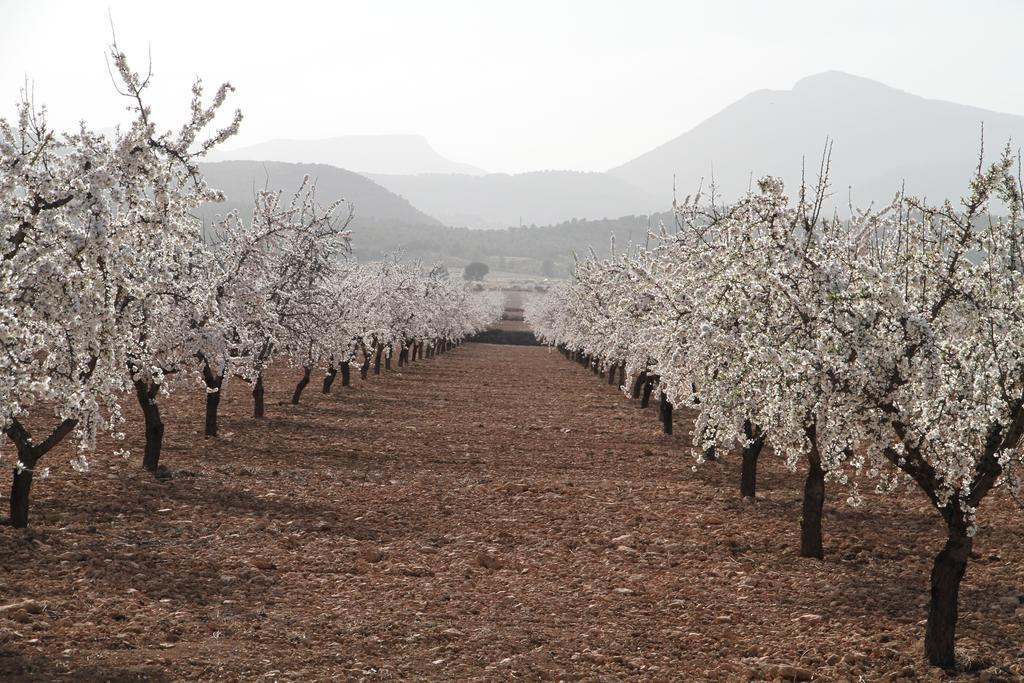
110	287
884	348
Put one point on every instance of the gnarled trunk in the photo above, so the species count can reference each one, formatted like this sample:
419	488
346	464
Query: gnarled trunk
947	572
665	412
146	393
306	371
345	376
29	455
332	372
213	381
257	397
751	451
814	500
645	399
638	384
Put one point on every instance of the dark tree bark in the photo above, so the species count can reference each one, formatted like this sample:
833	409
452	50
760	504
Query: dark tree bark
622	374
645	399
29	455
364	368
947	573
638	384
611	374
214	381
146	393
332	372
257	397
376	360
814	500
665	411
300	387
346	379
751	451
387	357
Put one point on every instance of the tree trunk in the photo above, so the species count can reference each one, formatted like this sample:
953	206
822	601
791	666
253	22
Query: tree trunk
29	455
665	410
611	373
814	500
638	384
947	573
213	391
345	374
257	397
364	369
376	360
329	378
751	451
146	394
622	374
306	371
20	489
645	400
387	358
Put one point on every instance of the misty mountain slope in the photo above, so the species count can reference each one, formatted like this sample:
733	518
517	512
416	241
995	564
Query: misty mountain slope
400	154
541	198
881	136
373	204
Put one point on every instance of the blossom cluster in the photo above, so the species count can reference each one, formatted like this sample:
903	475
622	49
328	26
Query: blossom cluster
886	343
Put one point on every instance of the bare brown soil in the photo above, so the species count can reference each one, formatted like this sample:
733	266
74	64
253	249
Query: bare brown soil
495	513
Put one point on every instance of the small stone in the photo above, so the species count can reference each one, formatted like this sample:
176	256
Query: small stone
371	554
624	539
488	561
418	571
793	673
623	591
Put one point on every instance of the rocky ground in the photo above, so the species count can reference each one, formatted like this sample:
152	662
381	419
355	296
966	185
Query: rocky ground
495	513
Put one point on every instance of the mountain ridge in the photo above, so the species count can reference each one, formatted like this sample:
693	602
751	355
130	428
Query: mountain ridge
397	153
880	137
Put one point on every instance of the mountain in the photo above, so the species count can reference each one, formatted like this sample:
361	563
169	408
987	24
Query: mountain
376	209
401	154
881	137
498	200
386	223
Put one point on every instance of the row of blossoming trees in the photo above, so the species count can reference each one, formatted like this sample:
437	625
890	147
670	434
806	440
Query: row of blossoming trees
108	288
882	349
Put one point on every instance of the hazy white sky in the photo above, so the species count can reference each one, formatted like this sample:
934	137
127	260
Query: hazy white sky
510	86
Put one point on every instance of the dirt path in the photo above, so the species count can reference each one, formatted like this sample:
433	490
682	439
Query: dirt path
495	513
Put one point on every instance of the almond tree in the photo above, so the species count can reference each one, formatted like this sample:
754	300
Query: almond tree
86	225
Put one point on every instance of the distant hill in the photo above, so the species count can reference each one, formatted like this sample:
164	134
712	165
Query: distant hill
499	200
402	154
881	137
376	209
